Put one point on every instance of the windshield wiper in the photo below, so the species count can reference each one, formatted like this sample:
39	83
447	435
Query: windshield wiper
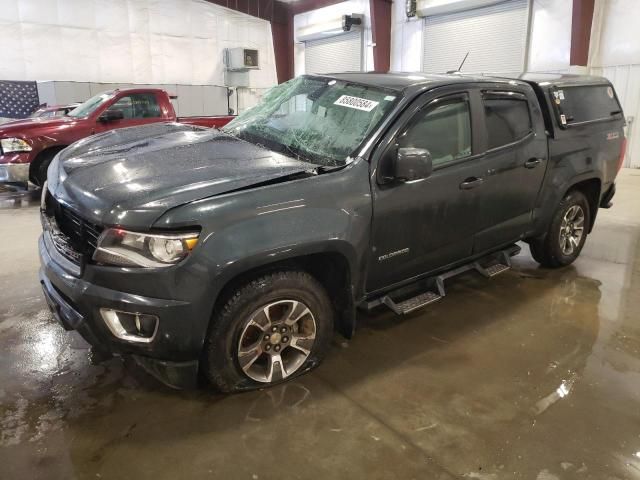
295	151
320	169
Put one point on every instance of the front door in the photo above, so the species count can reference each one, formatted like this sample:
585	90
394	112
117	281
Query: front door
425	224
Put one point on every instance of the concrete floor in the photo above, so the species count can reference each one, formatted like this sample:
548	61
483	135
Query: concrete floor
534	374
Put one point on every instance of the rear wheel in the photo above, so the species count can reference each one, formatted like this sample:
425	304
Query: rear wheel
567	233
272	329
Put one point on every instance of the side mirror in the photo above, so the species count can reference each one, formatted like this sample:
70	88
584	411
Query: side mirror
111	116
413	164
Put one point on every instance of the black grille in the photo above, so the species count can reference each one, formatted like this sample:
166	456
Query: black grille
75	238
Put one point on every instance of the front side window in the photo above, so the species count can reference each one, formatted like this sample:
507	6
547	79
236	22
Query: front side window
87	108
507	119
138	105
321	120
444	130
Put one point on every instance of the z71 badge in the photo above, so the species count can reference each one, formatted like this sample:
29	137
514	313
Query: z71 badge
613	135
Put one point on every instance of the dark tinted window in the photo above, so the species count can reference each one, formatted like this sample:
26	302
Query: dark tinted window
584	104
138	105
508	120
444	130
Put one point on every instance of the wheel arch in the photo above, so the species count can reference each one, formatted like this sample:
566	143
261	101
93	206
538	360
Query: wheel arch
47	153
591	188
332	268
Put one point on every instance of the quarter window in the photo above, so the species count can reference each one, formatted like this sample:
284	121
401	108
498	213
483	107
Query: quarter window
507	119
138	105
444	130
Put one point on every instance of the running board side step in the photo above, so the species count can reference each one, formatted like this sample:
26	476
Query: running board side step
404	307
411	304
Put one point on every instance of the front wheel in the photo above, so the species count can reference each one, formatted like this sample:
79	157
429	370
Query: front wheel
567	233
274	328
38	174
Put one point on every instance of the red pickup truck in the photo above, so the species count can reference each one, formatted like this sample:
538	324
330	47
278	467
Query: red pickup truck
28	146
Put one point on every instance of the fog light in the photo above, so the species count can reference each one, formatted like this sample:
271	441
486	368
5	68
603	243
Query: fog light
132	327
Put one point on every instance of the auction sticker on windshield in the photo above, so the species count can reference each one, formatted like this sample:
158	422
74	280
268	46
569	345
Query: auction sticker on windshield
356	102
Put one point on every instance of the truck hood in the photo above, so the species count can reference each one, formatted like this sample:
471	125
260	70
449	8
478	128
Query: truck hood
29	126
130	177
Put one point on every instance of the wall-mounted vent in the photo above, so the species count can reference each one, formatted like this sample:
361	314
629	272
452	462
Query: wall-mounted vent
241	59
410	8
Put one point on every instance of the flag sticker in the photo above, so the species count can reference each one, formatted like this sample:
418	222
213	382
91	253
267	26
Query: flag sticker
356	102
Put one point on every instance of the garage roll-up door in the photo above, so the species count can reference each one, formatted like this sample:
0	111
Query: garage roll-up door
495	37
341	53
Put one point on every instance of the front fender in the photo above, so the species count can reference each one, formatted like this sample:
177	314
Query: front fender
255	227
258	260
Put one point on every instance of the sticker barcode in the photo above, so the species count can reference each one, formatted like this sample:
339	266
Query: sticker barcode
356	102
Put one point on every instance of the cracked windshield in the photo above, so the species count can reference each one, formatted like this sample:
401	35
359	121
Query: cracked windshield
319	120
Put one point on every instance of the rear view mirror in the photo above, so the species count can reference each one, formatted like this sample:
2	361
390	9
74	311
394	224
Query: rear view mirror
413	164
111	115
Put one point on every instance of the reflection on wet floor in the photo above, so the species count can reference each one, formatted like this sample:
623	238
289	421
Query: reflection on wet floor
18	196
534	374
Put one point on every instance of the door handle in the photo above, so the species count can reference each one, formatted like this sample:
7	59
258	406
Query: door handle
470	183
532	163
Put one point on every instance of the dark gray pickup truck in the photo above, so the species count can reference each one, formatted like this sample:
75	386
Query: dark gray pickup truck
235	254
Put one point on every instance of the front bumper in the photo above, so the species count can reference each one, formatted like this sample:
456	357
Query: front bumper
14	172
173	355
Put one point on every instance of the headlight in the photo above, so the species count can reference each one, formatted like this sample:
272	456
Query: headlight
132	249
14	145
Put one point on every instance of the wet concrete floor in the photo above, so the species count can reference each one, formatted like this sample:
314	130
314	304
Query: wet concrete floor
534	374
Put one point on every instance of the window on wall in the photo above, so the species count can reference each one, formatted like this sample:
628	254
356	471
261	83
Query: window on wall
507	120
444	130
138	105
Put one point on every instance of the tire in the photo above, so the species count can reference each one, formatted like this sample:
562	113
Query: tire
240	334
551	250
38	174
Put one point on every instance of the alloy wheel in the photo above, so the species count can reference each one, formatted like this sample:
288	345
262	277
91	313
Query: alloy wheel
276	341
571	229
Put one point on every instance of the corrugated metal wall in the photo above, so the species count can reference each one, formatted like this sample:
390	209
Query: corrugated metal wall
494	36
341	53
626	79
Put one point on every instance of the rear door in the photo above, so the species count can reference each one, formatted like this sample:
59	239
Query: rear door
515	160
137	109
425	224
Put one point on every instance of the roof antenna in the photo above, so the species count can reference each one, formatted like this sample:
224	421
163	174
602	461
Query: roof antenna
460	67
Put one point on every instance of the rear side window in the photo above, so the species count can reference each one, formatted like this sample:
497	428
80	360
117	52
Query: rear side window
507	119
586	104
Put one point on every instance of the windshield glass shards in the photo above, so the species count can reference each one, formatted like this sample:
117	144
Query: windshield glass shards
321	120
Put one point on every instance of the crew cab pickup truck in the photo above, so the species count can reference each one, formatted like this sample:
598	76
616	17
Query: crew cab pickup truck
28	146
236	253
